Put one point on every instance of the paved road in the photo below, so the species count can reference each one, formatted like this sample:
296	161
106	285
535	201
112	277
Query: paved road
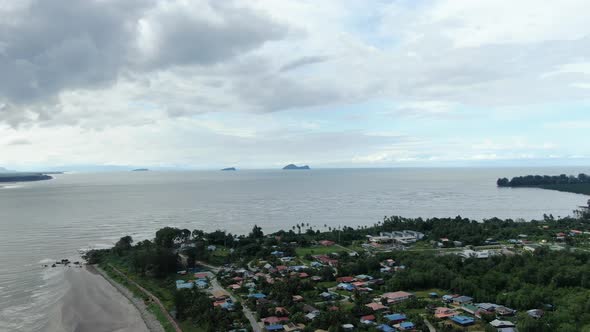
216	286
430	327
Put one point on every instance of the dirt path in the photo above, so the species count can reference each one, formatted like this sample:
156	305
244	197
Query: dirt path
151	296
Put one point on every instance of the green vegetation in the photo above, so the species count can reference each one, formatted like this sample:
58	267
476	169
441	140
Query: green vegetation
555	281
575	184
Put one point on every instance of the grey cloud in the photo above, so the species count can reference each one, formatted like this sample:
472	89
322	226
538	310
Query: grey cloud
303	61
47	47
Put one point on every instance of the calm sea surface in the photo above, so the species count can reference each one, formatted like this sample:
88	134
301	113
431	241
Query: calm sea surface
44	221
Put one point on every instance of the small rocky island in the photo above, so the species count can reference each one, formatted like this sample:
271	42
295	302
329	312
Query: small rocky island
229	169
293	166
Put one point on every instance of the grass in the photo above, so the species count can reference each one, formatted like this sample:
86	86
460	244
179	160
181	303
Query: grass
317	250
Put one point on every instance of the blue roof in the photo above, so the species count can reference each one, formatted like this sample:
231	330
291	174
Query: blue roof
395	317
385	328
407	325
463	320
257	295
275	327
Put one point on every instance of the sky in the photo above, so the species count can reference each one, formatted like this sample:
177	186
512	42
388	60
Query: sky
262	83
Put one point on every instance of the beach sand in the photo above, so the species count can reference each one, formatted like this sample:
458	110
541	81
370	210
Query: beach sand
93	304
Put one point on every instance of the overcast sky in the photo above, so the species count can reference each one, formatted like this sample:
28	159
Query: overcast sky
262	83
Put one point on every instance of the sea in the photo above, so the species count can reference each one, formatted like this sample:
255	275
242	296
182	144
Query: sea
41	222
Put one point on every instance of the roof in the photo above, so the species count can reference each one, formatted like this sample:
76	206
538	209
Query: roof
257	295
463	320
274	327
376	306
501	323
395	317
397	295
406	325
368	318
463	299
385	328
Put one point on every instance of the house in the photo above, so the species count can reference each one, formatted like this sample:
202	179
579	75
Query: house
281	311
277	253
363	277
292	327
257	296
309	309
405	326
503	311
327	243
535	313
490	307
211	248
462	300
368	319
385	328
327	296
463	320
397	297
395	318
443	313
297	298
347	327
345	279
275	327
219	294
376	306
345	286
273	320
470	308
531	247
501	323
449	298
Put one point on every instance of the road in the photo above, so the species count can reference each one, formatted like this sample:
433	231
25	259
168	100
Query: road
216	286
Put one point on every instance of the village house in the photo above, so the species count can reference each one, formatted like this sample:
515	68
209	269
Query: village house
397	297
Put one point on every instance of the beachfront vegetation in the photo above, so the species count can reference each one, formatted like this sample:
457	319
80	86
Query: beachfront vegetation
575	184
555	281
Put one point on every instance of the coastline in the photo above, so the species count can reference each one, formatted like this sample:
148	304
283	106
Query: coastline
97	303
149	318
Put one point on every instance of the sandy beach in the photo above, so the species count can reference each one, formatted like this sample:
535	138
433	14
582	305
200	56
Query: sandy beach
93	304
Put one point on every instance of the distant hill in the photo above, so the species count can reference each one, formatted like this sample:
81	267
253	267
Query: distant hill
140	170
4	170
229	169
23	177
293	166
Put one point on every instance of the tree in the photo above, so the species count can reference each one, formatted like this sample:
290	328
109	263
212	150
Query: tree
256	232
167	237
124	244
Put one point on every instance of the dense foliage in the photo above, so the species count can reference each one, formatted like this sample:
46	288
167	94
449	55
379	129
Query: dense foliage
541	180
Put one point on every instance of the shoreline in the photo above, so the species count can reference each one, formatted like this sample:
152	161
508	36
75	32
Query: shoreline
148	317
96	303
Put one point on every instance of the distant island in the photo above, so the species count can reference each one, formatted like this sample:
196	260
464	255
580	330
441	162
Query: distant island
575	184
23	177
140	170
229	169
293	166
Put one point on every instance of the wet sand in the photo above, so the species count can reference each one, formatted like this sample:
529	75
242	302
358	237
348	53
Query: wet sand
93	304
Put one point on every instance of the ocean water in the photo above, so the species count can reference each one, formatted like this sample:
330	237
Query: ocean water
41	222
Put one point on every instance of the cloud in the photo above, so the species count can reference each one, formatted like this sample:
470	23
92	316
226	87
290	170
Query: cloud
19	141
303	61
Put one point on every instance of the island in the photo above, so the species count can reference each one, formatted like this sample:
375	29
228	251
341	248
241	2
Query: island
574	184
229	169
140	170
293	166
23	177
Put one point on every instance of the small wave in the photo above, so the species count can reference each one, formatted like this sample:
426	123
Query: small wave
11	186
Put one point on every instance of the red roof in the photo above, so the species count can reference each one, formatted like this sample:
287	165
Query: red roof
303	275
327	243
274	320
201	275
345	279
281	267
397	295
368	317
